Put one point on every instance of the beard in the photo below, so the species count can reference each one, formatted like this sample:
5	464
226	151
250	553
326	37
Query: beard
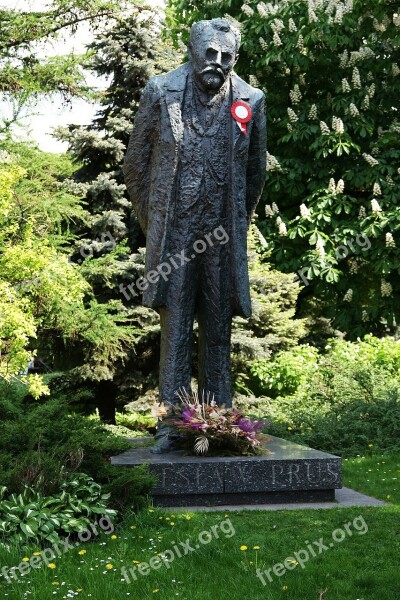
211	78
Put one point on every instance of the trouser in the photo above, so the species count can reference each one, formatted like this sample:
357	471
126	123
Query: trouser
203	287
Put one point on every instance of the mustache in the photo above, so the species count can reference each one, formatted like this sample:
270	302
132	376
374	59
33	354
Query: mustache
213	70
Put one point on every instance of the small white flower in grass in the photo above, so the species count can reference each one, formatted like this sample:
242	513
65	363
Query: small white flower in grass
324	128
313	114
386	289
340	187
348	295
390	243
292	115
332	186
356	79
376	209
305	211
345	85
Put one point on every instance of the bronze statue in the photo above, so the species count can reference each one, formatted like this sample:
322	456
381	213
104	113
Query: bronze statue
195	169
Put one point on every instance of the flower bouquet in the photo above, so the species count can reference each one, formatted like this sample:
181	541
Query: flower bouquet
207	429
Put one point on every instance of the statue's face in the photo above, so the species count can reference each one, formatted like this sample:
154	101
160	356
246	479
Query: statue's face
213	56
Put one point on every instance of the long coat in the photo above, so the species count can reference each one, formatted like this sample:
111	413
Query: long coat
150	170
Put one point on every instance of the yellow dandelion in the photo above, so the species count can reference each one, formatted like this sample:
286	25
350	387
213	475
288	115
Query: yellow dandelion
52	566
82	552
243	547
290	428
109	566
256	547
25	559
114	537
36	553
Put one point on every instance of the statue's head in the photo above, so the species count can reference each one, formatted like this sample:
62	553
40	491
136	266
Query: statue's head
213	51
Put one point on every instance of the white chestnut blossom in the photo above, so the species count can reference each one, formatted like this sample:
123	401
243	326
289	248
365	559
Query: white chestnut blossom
386	288
356	79
370	159
292	26
390	243
396	19
324	128
345	86
348	295
292	115
362	213
275	208
395	69
276	40
353	110
340	187
337	125
262	9
377	190
268	211
313	114
305	211
364	316
273	163
344	57
365	103
320	249
263	44
375	206
247	10
332	186
300	43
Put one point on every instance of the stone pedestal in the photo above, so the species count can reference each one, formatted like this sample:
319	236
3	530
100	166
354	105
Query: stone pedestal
290	473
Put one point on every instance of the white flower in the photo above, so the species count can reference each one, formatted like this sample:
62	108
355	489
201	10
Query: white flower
348	295
364	316
337	125
320	249
396	19
247	10
356	79
370	159
365	103
262	9
332	186
344	57
268	211
371	90
295	94
300	43
277	25
340	187
282	229
339	14
377	190
313	114
324	128
273	163
292	115
353	110
362	213
390	243
275	208
386	288
395	69
376	209
312	17
263	43
305	212
345	85
276	40
292	26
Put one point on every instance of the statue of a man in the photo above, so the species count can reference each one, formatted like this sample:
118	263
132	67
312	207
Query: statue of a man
195	169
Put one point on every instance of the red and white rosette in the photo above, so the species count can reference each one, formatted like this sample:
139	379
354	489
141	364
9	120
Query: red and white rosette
241	112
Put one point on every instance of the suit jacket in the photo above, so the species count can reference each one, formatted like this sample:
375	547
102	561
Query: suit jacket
150	170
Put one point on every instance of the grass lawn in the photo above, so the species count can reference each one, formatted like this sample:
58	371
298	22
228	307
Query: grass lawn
363	566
